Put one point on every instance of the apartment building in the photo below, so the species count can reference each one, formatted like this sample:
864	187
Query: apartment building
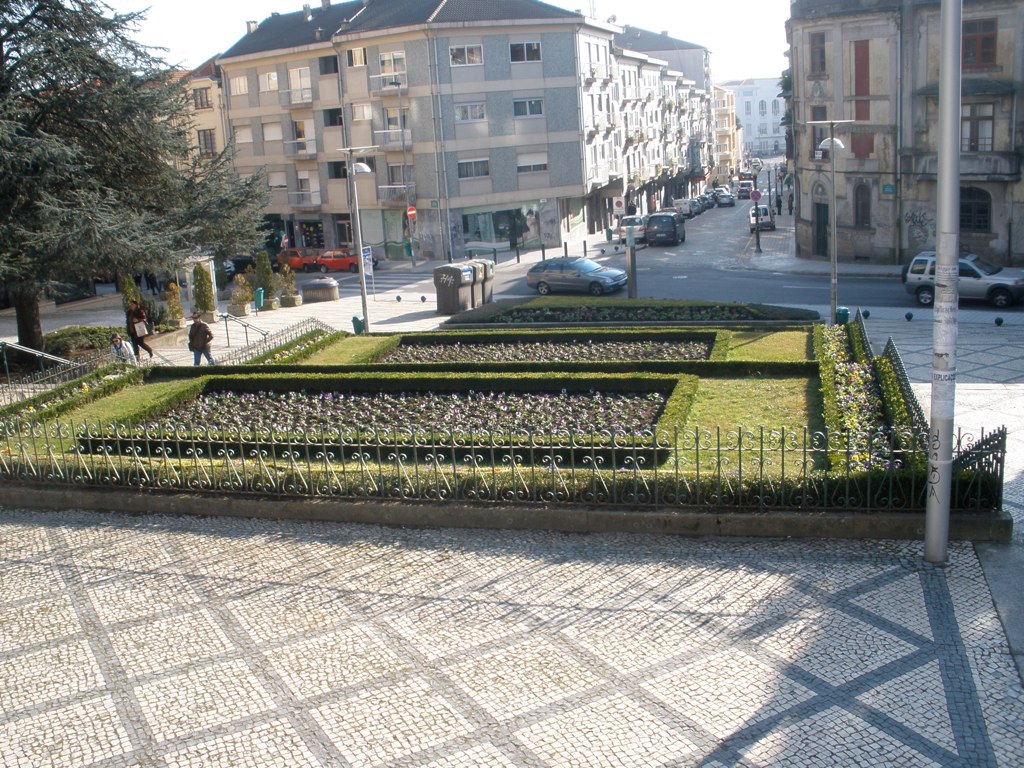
727	154
876	62
760	110
503	125
206	104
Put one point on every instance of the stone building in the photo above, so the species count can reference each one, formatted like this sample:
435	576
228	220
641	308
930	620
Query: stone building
876	62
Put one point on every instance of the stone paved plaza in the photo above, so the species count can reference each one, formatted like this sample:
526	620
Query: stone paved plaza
188	642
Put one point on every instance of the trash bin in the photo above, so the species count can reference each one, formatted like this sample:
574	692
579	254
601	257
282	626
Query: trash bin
842	315
358	326
477	290
454	284
487	295
258	298
608	234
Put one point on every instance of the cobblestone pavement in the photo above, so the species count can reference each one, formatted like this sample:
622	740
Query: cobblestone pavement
187	642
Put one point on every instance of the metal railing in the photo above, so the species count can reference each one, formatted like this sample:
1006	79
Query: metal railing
271	341
245	326
711	469
13	390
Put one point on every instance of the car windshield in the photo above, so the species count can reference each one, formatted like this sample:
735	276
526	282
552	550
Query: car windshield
586	265
985	268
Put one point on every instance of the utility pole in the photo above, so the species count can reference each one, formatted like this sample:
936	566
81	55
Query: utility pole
947	276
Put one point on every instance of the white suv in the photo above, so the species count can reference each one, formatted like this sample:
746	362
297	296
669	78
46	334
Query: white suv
999	286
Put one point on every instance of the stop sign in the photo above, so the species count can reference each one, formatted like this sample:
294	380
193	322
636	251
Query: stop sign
410	212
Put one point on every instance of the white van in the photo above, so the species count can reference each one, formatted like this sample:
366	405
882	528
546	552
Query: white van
684	207
761	217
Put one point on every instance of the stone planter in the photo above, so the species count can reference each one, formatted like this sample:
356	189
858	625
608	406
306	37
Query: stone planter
291	301
239	310
208	317
271	303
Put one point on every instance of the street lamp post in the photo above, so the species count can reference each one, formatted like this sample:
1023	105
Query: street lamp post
757	166
354	169
831	144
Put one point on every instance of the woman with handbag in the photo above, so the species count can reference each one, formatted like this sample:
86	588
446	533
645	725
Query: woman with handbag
137	328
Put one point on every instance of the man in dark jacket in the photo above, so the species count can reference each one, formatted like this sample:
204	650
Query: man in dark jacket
199	339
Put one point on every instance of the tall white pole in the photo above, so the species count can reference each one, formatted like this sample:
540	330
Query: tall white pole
947	275
359	245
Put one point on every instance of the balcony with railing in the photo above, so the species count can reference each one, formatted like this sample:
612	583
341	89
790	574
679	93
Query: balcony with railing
388	83
306	200
300	148
298	97
396	195
974	166
393	139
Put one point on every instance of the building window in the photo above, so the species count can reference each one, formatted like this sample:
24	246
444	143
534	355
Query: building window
466	55
243	134
979	43
277	179
336	169
820	132
328	65
268	82
817	49
746	108
474	169
762	108
775	107
332	117
207	142
975	210
399	175
272	132
362	112
356	57
468	113
977	125
536	162
524	52
392	63
862	206
201	98
527	107
239	85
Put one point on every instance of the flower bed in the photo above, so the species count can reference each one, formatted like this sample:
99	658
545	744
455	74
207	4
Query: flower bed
305	412
549	351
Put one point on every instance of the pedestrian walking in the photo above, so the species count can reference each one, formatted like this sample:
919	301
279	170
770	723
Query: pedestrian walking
121	351
199	339
138	329
778	204
790	203
151	284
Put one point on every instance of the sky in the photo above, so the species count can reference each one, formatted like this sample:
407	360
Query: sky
747	38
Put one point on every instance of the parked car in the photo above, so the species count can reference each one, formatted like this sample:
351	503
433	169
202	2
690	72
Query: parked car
726	200
706	202
299	259
338	260
574	273
695	204
666	227
639	224
685	207
999	286
761	217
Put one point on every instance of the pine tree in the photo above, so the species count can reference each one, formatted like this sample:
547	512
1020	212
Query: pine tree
96	167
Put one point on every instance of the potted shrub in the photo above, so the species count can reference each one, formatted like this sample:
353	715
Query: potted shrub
265	280
202	287
241	296
290	296
175	313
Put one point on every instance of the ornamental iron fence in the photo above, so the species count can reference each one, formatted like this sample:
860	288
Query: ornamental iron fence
16	389
273	341
714	469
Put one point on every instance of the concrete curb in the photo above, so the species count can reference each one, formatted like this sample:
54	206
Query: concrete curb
775	524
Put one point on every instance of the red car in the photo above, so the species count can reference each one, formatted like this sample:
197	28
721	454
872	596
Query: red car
299	259
338	260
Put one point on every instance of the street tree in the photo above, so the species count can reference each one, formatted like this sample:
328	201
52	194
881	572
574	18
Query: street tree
97	169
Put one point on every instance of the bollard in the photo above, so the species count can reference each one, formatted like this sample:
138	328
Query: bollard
543	254
584	249
517	253
565	248
494	255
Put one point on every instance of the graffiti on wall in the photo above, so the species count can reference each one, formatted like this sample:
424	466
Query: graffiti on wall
920	228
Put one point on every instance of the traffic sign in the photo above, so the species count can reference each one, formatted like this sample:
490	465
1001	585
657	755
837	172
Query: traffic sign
755	195
410	212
